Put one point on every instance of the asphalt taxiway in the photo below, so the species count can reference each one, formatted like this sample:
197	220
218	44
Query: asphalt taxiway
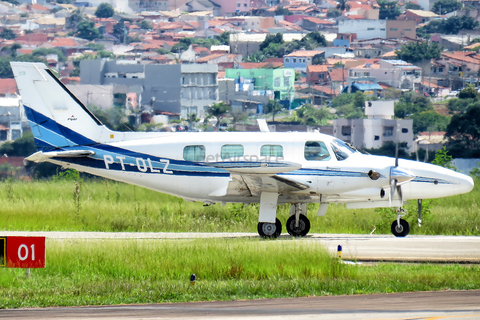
416	305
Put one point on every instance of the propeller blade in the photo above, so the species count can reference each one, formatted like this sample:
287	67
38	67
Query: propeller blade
396	146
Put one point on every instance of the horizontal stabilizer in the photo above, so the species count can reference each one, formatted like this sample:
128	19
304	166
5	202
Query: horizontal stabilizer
43	156
259	167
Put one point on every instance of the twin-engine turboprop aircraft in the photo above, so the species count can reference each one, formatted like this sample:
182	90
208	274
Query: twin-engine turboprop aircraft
212	167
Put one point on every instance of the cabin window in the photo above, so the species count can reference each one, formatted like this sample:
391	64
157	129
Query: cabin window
194	153
271	150
341	149
232	151
316	151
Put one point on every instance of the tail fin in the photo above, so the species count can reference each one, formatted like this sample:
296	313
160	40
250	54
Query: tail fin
57	118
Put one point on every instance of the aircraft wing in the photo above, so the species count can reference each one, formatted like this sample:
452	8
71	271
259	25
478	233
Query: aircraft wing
43	156
250	179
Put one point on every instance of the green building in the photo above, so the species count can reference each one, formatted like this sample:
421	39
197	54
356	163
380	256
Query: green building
276	83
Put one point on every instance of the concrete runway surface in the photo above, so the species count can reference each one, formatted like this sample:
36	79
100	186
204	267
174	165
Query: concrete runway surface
442	249
415	305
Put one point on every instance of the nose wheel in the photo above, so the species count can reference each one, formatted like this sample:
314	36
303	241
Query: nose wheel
400	227
269	230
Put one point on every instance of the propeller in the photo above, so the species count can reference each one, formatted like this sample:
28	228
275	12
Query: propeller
398	176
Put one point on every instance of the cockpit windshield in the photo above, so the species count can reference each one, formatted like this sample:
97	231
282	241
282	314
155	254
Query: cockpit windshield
341	149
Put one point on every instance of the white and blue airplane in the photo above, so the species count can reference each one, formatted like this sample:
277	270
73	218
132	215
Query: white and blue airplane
268	168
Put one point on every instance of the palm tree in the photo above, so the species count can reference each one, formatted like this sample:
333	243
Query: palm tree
218	110
342	5
191	119
274	107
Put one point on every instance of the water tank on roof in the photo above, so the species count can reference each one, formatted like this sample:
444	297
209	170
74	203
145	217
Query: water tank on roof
379	109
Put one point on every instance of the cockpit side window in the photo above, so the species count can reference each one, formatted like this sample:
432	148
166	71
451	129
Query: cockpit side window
316	151
341	150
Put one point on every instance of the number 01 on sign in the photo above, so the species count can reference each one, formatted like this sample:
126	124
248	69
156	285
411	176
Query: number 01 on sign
22	252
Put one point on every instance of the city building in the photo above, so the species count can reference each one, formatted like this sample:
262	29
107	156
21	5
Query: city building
377	129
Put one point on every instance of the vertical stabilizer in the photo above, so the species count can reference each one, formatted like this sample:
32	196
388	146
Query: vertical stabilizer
58	119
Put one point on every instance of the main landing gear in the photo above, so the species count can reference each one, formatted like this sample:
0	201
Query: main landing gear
400	227
298	224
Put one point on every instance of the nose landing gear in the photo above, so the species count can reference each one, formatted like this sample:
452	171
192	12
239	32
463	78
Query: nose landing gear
400	227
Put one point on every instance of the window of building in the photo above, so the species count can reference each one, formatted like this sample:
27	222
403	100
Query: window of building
408	29
321	76
404	130
382	29
393	29
238	4
440	69
346	131
370	29
286	81
294	60
308	59
245	5
376	138
231	151
388	131
287	60
271	150
277	82
316	151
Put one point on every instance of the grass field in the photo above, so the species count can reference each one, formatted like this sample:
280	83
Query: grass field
100	272
95	272
101	205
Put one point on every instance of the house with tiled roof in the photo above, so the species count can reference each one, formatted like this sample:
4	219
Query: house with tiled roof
8	87
338	78
317	74
299	60
315	24
218	58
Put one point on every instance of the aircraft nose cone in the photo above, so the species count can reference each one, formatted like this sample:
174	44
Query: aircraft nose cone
465	184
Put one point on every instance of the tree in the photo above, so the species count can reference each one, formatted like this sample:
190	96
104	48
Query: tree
281	11
388	10
333	13
224	38
120	31
412	6
342	5
416	52
74	19
12	50
145	25
7	34
5	69
42	52
468	93
86	30
359	100
442	7
429	121
464	128
218	111
191	119
104	10
274	107
452	25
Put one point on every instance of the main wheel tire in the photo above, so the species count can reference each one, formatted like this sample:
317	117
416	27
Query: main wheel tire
269	230
400	230
303	226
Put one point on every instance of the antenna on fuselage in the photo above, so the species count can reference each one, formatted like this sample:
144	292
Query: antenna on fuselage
262	123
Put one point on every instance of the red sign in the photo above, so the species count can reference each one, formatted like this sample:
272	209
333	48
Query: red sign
25	252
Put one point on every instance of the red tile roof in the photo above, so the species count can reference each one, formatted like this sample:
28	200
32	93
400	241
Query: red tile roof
8	86
317	68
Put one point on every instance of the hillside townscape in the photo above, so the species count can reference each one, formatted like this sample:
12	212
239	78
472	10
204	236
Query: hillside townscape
369	72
